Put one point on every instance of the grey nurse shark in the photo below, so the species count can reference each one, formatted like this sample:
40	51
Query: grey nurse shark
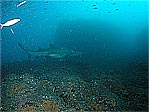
51	52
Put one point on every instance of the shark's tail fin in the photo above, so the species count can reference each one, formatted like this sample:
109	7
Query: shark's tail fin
25	49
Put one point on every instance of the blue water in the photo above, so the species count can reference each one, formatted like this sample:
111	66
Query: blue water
102	34
111	34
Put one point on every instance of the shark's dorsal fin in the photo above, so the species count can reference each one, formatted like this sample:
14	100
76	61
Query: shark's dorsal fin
52	46
39	48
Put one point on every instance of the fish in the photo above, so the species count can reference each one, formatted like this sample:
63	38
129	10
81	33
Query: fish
95	8
113	3
51	52
9	23
45	8
117	9
21	3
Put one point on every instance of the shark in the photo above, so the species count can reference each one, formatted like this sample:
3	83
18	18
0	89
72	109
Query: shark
51	52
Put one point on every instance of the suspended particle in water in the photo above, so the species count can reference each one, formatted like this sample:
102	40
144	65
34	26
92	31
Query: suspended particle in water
113	3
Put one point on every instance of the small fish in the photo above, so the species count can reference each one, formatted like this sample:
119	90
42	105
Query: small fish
11	30
116	9
21	3
113	3
93	5
9	23
95	8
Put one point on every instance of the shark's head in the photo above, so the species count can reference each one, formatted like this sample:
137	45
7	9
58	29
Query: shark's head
74	53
